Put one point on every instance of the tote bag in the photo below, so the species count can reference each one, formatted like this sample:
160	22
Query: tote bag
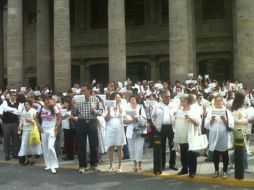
196	142
34	137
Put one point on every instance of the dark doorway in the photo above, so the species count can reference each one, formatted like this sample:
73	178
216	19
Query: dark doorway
139	71
75	74
219	69
99	72
164	71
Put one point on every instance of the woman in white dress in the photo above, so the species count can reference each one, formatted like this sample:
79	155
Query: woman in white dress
219	122
115	135
27	120
133	119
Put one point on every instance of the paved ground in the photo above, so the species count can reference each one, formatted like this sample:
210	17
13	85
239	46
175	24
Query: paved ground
107	181
34	178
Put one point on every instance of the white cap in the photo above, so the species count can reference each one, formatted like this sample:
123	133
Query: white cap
37	93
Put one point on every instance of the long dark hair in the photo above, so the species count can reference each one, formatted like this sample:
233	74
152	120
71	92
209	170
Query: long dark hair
51	108
238	102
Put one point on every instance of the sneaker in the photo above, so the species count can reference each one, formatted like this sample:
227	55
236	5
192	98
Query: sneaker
94	168
82	170
216	174
224	175
53	170
47	168
119	171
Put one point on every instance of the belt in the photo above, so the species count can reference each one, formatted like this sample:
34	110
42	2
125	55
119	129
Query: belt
88	120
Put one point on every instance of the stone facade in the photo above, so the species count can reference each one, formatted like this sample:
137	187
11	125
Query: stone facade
152	39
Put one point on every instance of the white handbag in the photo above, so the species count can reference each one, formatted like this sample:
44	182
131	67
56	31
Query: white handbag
196	141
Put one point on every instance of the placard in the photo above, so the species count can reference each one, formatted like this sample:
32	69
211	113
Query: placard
190	75
79	98
218	112
150	103
206	76
250	113
110	103
212	85
131	113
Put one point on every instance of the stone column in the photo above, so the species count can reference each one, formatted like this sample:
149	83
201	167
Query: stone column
14	43
1	46
244	41
182	51
116	40
43	58
62	51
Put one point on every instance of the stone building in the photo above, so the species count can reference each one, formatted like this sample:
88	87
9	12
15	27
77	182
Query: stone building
58	42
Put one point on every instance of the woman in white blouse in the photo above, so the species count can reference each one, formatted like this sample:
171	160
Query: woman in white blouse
187	124
219	122
27	120
115	135
133	120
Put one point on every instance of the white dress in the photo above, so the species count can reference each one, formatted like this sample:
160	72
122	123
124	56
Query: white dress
135	142
27	149
115	135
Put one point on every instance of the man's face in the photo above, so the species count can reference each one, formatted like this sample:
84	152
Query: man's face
13	97
166	97
86	92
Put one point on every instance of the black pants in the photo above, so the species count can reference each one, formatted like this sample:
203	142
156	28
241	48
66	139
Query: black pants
89	130
216	160
69	142
10	132
167	133
188	159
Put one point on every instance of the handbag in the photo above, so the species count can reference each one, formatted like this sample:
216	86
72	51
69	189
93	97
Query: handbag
34	137
141	129
196	142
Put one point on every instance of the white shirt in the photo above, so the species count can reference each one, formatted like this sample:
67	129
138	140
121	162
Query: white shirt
168	111
48	119
15	111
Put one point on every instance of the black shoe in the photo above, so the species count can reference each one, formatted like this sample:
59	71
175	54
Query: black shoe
173	168
7	158
163	167
192	175
67	158
182	172
15	157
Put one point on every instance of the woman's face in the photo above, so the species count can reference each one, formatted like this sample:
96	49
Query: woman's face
133	101
27	106
47	103
184	103
66	104
118	98
218	103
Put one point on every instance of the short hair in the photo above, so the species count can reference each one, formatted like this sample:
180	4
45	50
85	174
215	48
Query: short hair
136	97
164	91
29	101
189	98
88	86
113	95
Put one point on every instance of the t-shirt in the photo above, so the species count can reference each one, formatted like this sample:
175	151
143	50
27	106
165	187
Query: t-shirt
48	119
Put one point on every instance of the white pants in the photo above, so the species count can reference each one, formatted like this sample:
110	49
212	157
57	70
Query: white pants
136	145
48	145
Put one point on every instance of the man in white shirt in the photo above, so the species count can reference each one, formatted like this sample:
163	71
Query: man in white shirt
11	110
169	109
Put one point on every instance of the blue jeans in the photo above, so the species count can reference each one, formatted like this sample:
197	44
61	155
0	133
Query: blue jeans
83	131
245	158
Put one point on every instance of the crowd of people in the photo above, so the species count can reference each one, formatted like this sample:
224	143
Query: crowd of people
120	117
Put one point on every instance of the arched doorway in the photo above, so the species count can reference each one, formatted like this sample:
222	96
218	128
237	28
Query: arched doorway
139	71
99	72
219	69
